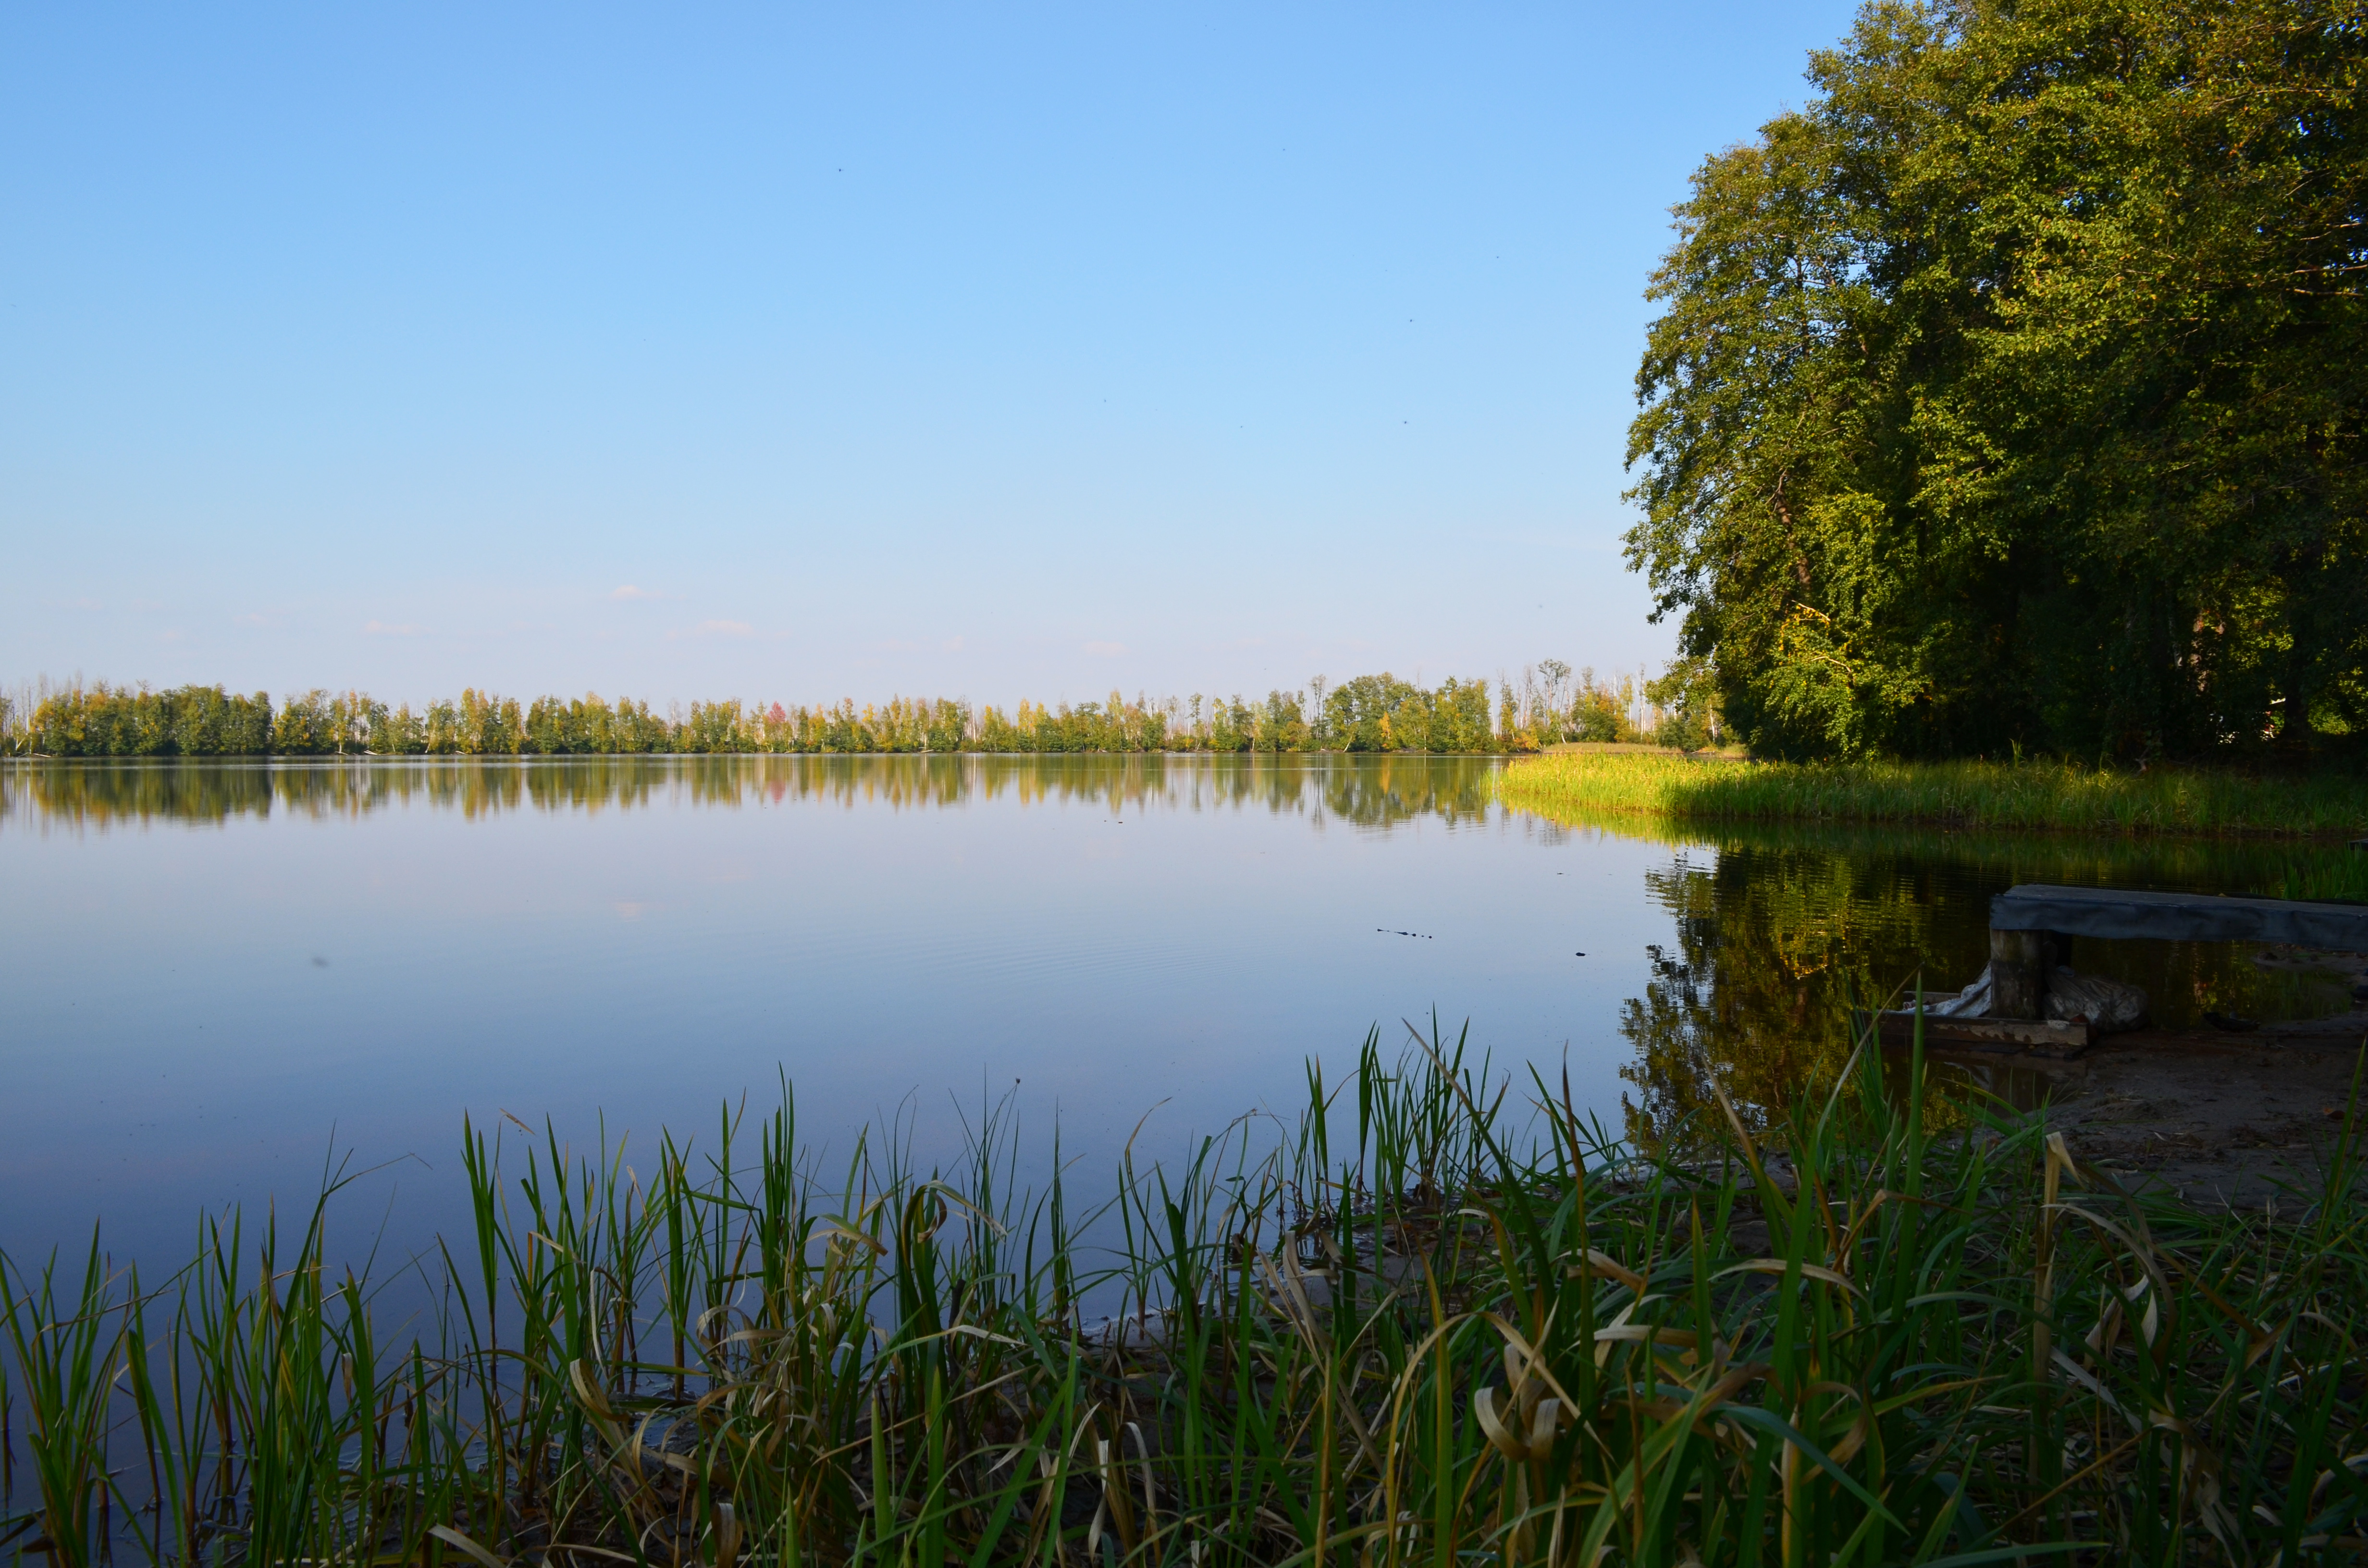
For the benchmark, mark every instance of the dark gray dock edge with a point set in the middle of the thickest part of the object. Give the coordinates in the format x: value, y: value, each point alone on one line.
x: 2120, y: 914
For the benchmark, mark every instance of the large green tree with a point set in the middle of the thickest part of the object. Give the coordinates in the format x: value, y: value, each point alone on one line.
x: 2010, y: 393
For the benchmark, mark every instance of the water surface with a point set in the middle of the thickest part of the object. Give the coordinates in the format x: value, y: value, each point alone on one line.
x: 218, y: 976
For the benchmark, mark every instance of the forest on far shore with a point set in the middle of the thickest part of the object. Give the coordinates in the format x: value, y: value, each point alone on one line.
x: 1550, y: 703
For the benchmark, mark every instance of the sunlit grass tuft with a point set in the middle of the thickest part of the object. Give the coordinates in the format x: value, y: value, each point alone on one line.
x: 1573, y: 787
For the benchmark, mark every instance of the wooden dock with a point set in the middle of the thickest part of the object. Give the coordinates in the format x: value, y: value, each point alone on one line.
x: 2120, y: 914
x: 2032, y: 927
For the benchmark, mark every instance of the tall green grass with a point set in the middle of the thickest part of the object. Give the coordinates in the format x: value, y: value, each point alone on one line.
x: 1573, y: 787
x: 1441, y: 1320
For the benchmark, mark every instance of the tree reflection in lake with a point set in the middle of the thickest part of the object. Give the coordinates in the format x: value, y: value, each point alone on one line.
x: 1366, y: 792
x: 1779, y: 933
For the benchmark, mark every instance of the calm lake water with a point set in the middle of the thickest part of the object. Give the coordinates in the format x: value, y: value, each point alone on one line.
x: 214, y: 979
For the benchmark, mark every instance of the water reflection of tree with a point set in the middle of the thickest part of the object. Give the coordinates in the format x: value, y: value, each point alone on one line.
x: 1779, y: 933
x: 1772, y: 948
x: 1374, y: 792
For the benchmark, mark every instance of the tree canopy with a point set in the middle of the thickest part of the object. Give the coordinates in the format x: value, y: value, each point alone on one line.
x: 2009, y: 393
x: 1370, y: 713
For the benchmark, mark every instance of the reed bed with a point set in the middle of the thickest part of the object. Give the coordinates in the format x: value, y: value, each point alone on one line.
x: 1573, y: 787
x: 1441, y: 1320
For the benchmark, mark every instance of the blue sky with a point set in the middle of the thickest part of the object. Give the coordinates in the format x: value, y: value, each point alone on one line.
x: 799, y: 353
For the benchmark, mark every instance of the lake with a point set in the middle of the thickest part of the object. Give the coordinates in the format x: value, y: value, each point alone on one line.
x: 222, y: 979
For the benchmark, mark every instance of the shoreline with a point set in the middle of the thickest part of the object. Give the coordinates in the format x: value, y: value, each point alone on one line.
x: 2027, y: 797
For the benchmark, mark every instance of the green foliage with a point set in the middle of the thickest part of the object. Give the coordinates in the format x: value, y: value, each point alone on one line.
x: 322, y: 723
x: 2011, y: 392
x: 1416, y: 1327
x: 1381, y: 712
x: 1684, y: 728
x: 1600, y: 718
x: 1116, y: 726
x: 1687, y: 697
x: 104, y: 721
x: 588, y: 726
x: 1553, y: 704
x: 1371, y: 714
x: 1356, y: 714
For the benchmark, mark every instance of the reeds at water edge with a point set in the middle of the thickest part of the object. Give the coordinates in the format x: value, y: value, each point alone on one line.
x: 1441, y: 1320
x: 2034, y: 794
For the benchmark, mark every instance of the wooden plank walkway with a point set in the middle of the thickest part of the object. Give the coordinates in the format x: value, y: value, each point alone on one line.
x: 2122, y: 914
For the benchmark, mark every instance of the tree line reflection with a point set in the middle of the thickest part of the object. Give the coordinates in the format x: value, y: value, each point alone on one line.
x: 1366, y: 792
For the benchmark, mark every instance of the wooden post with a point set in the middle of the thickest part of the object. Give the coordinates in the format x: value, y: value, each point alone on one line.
x: 2018, y: 974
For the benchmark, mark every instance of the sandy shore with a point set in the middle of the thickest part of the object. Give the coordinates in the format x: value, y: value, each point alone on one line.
x: 2219, y: 1118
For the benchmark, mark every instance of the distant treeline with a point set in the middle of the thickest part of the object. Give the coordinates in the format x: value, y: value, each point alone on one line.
x: 1371, y: 714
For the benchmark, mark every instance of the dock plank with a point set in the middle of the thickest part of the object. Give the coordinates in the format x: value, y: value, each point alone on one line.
x: 2031, y: 1037
x: 2124, y: 914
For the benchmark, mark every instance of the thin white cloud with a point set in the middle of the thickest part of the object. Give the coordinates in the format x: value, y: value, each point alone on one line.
x: 716, y: 629
x: 629, y: 592
x: 1106, y: 650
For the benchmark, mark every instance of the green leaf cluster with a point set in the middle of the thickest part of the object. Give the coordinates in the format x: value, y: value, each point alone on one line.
x: 2009, y: 393
x: 1383, y: 713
